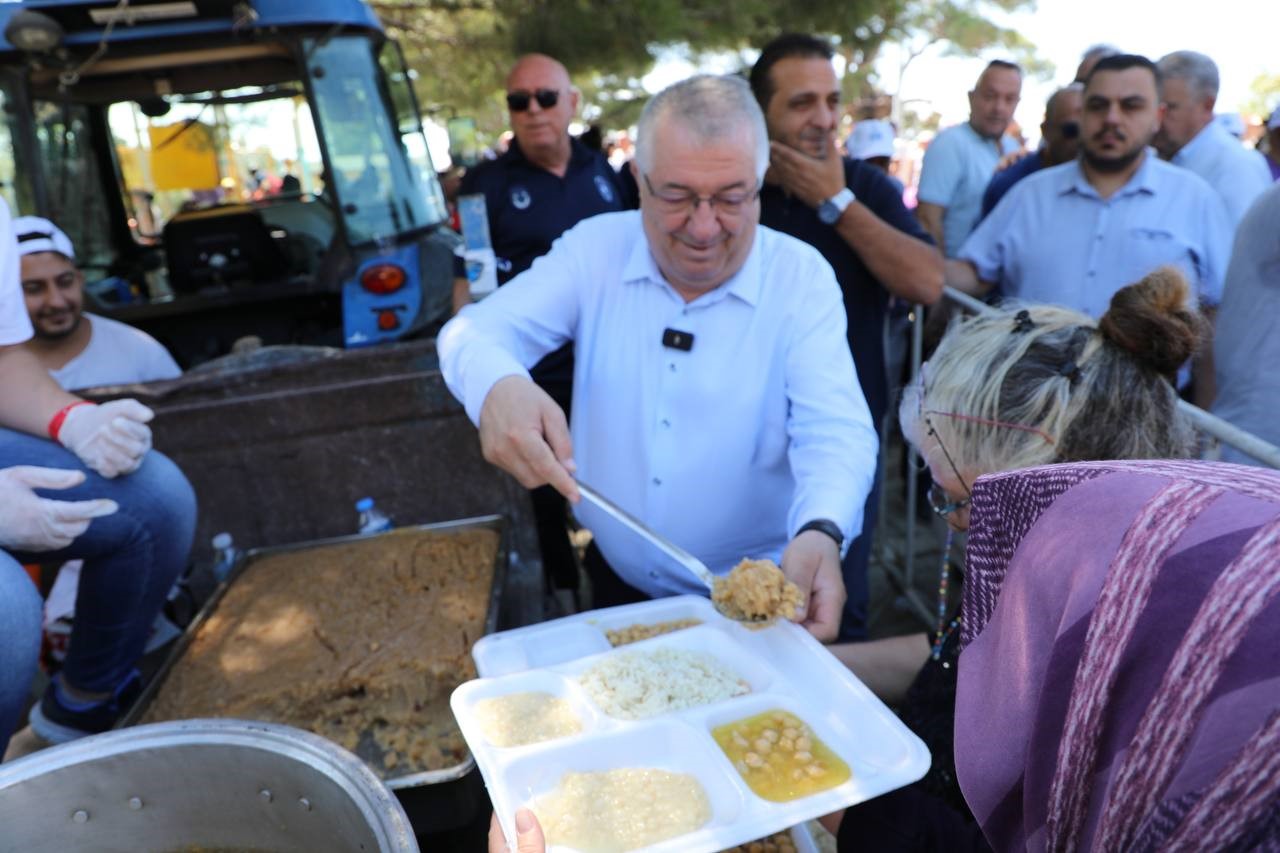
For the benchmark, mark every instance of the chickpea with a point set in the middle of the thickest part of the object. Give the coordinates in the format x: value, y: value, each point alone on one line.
x: 788, y: 744
x: 739, y: 740
x: 803, y: 742
x: 790, y: 732
x: 803, y: 756
x: 763, y: 745
x: 797, y: 774
x: 771, y: 735
x: 741, y: 767
x: 813, y: 770
x: 753, y: 760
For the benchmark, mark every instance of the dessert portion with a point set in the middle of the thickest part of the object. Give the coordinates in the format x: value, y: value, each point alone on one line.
x: 612, y: 811
x: 519, y: 719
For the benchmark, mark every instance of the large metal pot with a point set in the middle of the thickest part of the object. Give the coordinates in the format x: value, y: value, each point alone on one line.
x: 199, y: 784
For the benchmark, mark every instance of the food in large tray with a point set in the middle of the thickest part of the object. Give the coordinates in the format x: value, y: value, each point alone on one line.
x: 360, y: 642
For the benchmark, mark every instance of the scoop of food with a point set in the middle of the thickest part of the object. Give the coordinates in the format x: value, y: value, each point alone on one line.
x: 756, y: 591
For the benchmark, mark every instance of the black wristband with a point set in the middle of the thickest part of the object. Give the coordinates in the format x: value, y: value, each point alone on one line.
x: 823, y: 525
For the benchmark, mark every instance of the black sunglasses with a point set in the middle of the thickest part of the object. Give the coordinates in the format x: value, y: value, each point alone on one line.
x: 518, y: 102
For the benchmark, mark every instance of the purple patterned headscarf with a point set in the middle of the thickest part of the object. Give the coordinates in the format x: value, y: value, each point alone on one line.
x: 1119, y: 687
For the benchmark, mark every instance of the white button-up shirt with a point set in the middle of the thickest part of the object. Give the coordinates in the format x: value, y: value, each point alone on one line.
x: 727, y: 448
x: 1239, y: 174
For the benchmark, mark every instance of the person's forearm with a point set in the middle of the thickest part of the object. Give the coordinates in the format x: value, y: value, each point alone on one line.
x: 461, y: 293
x: 963, y: 276
x: 907, y: 267
x: 29, y: 397
x: 888, y: 667
x: 930, y: 216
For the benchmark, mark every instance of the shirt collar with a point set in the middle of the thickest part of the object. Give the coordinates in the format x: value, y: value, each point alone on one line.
x: 745, y: 284
x: 1142, y: 181
x: 1202, y: 140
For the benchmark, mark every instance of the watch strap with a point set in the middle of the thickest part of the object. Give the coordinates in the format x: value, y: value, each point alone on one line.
x: 824, y: 525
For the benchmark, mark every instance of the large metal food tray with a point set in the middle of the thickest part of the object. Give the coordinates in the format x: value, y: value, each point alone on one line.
x: 433, y: 799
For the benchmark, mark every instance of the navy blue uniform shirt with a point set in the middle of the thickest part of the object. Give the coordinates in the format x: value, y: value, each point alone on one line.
x: 528, y: 209
x: 1003, y: 181
x: 865, y: 299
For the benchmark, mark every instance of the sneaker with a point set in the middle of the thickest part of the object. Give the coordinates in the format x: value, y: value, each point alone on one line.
x: 59, y: 719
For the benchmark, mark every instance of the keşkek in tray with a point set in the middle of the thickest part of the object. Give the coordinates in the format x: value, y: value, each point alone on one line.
x: 783, y: 671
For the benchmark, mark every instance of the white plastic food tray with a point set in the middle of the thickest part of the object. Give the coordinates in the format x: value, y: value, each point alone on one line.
x: 787, y: 670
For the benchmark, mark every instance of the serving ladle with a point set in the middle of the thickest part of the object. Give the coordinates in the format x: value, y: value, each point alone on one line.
x: 695, y: 566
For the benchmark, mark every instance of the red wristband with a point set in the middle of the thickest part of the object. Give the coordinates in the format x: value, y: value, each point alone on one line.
x: 55, y: 423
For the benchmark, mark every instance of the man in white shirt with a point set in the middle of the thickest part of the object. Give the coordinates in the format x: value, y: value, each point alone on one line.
x: 714, y: 394
x: 80, y: 350
x: 1190, y: 137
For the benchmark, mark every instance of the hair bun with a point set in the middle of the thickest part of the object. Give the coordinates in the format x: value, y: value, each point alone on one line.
x: 1152, y: 321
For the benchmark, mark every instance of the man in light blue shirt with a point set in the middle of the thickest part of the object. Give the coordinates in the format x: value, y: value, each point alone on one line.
x: 1076, y: 233
x: 1190, y: 137
x: 959, y: 162
x: 714, y: 394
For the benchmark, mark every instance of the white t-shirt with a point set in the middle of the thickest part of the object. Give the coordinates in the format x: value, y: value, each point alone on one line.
x: 15, y: 325
x: 117, y: 354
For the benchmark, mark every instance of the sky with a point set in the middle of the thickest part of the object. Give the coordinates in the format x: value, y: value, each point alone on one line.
x: 1234, y: 34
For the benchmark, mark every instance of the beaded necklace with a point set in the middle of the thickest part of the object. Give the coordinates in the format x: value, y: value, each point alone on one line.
x: 944, y: 630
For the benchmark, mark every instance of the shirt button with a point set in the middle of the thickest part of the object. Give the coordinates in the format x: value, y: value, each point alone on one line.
x: 672, y: 366
x: 653, y: 574
x: 657, y: 481
x: 666, y: 423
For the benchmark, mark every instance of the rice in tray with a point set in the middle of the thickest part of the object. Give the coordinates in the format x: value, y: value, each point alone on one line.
x: 634, y: 685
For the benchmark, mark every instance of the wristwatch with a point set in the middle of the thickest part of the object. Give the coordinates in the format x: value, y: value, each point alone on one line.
x: 829, y: 211
x: 823, y: 525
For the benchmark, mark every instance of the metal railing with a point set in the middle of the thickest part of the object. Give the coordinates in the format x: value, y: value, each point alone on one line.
x: 1209, y: 424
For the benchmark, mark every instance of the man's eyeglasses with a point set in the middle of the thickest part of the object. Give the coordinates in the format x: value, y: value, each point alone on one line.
x: 518, y: 102
x: 727, y: 203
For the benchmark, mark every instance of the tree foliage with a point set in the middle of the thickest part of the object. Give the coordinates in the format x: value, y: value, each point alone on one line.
x: 1264, y: 96
x: 462, y: 49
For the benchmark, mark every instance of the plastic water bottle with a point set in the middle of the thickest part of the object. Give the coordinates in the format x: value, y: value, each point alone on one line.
x: 372, y: 519
x: 225, y: 555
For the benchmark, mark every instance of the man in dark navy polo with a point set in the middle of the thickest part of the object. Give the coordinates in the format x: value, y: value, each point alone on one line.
x: 851, y: 213
x: 544, y: 184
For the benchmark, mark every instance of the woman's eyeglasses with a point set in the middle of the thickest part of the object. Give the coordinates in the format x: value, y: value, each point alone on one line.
x: 518, y: 102
x: 941, y: 503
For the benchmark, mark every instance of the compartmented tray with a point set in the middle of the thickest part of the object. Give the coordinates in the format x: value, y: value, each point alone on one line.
x: 787, y: 670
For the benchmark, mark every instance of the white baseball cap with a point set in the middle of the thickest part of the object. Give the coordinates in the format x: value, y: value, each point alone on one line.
x: 36, y: 234
x: 870, y: 138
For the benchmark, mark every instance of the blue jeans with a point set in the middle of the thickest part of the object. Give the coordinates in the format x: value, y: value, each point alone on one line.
x: 131, y: 558
x: 20, y: 612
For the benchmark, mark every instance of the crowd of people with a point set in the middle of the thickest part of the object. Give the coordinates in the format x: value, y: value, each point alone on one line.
x: 699, y: 334
x: 1110, y: 249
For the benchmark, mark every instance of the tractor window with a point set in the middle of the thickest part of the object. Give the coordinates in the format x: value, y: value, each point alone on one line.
x: 64, y: 142
x: 399, y: 79
x: 381, y: 192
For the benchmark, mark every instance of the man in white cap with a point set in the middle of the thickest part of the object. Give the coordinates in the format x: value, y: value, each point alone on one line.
x: 80, y: 350
x: 871, y: 141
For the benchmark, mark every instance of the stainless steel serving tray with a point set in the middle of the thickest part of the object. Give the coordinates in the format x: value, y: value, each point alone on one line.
x: 402, y: 785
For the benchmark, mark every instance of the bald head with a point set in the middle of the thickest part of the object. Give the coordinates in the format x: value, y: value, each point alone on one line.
x: 539, y: 66
x: 542, y: 102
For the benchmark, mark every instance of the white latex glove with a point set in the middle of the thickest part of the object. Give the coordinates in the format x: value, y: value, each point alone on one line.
x: 111, y: 438
x: 29, y: 522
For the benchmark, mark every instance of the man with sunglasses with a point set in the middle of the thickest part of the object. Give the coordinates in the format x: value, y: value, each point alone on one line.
x: 543, y: 185
x: 715, y: 396
x: 851, y: 213
x: 1060, y: 132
